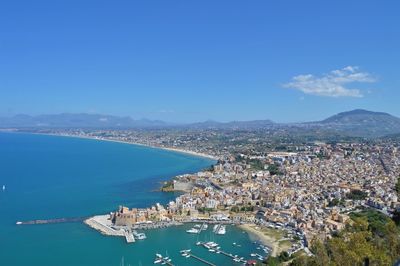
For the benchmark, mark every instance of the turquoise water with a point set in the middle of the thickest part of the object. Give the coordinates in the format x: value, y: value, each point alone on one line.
x: 54, y: 177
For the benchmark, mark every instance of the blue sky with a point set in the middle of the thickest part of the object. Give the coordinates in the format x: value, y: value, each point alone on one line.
x: 188, y: 61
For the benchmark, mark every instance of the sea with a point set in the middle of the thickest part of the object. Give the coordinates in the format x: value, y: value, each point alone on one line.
x: 47, y: 177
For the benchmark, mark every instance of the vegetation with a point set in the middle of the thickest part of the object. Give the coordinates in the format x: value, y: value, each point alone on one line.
x: 357, y: 195
x: 371, y: 239
x: 274, y: 169
x: 242, y: 209
x: 283, y: 257
x: 256, y: 164
x: 336, y: 202
x: 396, y: 214
x: 168, y: 186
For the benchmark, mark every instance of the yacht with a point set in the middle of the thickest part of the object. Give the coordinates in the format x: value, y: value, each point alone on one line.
x: 212, y: 244
x: 221, y: 230
x: 192, y: 231
x: 215, y: 228
x: 140, y: 236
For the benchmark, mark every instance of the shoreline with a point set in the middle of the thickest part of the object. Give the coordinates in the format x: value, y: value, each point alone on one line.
x: 267, y: 240
x: 177, y: 150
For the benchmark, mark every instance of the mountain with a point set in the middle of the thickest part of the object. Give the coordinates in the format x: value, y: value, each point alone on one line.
x: 363, y: 123
x: 243, y: 125
x: 356, y: 123
x: 67, y: 120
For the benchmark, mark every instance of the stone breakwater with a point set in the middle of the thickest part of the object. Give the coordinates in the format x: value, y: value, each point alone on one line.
x: 103, y: 224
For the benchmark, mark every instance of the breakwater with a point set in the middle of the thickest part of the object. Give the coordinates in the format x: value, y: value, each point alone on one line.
x: 52, y: 221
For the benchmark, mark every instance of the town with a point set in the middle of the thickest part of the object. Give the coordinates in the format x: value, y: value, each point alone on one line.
x: 305, y: 190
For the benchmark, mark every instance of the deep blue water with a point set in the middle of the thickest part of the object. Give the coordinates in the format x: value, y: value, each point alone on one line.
x: 54, y: 177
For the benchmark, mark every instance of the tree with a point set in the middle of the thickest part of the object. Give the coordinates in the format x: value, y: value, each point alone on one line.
x: 370, y: 239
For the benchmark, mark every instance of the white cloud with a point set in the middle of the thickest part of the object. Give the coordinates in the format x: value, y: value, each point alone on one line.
x: 333, y: 84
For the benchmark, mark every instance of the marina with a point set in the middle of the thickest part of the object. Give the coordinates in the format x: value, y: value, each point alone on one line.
x: 214, y: 247
x: 159, y: 259
x: 188, y: 254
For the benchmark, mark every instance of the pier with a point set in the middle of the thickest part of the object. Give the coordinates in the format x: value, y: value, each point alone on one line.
x: 220, y: 251
x: 129, y: 236
x: 163, y: 260
x: 200, y: 259
x: 52, y: 221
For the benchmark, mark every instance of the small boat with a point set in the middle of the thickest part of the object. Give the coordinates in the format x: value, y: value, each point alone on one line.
x: 4, y: 187
x: 140, y: 236
x: 157, y: 261
x: 187, y: 256
x: 18, y: 223
x: 197, y: 226
x: 221, y: 230
x: 193, y: 231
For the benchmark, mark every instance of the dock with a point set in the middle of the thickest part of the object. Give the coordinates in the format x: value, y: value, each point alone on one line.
x: 129, y: 236
x: 164, y: 261
x: 220, y: 251
x: 200, y: 259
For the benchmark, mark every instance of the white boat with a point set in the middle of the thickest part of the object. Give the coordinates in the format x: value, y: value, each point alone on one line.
x: 205, y: 226
x: 140, y: 236
x: 158, y: 255
x: 215, y: 228
x: 187, y: 256
x: 4, y: 187
x: 193, y: 231
x: 197, y: 226
x: 157, y: 261
x: 212, y: 244
x: 18, y: 223
x: 221, y: 230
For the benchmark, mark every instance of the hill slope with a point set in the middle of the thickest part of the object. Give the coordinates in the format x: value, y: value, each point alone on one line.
x: 363, y: 123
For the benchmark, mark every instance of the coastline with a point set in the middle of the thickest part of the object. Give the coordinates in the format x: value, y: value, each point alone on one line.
x: 267, y: 240
x: 177, y: 150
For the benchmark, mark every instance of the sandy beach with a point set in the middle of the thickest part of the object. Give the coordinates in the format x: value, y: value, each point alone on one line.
x: 208, y: 156
x: 268, y: 240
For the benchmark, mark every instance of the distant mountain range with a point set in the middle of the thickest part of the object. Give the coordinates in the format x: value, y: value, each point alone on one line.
x: 356, y: 123
x: 67, y: 120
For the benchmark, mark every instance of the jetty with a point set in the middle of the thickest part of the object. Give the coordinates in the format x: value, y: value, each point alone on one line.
x: 52, y: 221
x: 129, y: 236
x: 163, y: 260
x: 200, y: 259
x: 220, y: 251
